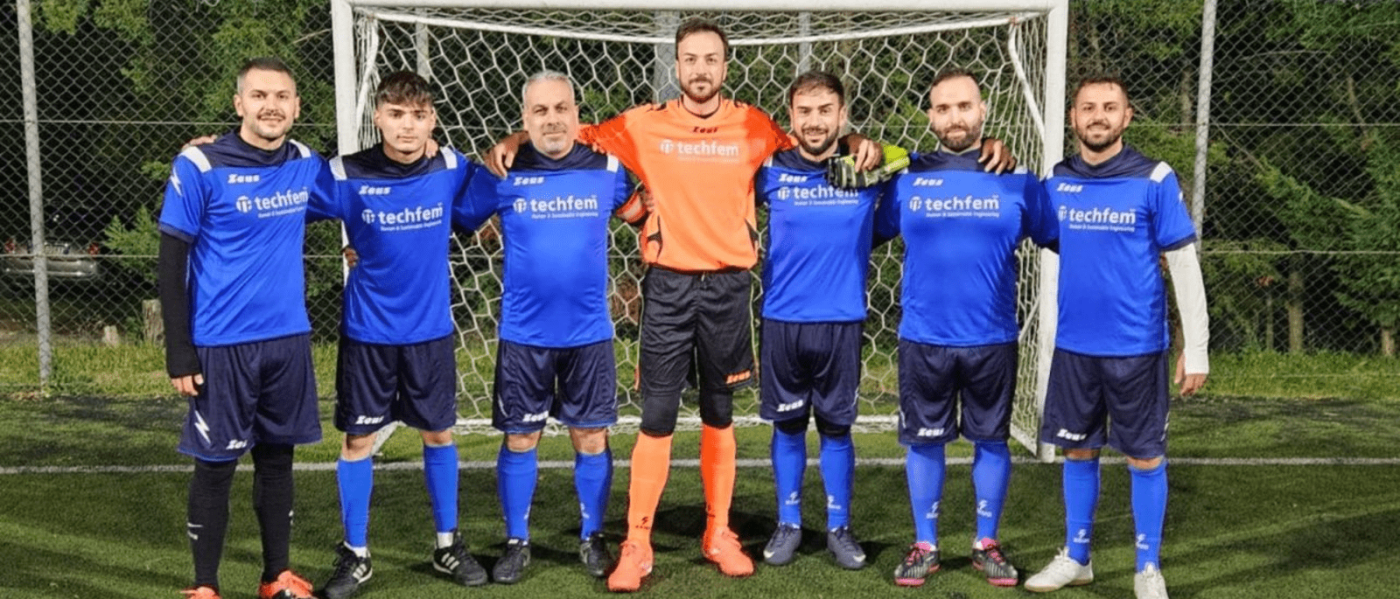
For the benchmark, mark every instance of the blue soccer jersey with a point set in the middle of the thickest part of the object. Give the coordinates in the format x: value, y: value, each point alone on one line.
x: 554, y: 216
x: 243, y: 210
x: 961, y: 227
x: 1115, y: 220
x: 398, y: 219
x: 818, y: 242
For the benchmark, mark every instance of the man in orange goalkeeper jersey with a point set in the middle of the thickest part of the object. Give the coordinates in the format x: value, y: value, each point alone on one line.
x: 697, y: 155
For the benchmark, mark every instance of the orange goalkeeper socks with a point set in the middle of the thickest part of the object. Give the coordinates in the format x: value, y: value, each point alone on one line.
x: 717, y: 449
x: 651, y: 464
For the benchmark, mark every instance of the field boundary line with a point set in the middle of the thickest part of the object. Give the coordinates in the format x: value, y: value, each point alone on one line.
x: 693, y: 463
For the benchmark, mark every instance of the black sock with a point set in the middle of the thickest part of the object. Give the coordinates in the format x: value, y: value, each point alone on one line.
x: 208, y: 517
x: 272, y: 500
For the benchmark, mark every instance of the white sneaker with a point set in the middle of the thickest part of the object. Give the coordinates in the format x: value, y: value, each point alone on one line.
x: 1063, y: 571
x: 1148, y: 584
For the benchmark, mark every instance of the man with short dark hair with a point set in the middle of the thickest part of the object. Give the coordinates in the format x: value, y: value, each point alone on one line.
x: 237, y: 333
x: 1119, y: 213
x: 958, y: 330
x: 396, y: 356
x: 814, y: 272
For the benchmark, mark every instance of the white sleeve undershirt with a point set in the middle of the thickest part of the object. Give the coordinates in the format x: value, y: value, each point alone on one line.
x: 1190, y: 289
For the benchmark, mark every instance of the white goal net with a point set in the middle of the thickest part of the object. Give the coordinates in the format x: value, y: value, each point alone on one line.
x: 479, y: 54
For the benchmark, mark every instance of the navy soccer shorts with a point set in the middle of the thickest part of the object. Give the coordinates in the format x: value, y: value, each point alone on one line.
x: 379, y: 384
x: 258, y: 392
x: 808, y: 367
x: 575, y: 385
x: 1086, y: 393
x: 935, y: 379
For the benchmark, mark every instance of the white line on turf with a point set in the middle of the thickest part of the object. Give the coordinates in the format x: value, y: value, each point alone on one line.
x: 691, y: 463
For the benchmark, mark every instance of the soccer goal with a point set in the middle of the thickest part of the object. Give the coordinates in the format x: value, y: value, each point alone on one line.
x: 621, y: 52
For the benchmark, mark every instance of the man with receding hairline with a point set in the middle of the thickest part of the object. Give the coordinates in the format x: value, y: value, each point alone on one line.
x: 958, y: 330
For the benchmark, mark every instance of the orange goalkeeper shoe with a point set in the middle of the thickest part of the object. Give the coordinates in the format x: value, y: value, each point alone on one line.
x: 723, y: 548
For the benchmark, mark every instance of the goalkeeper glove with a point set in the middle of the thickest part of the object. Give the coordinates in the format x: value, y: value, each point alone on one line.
x: 841, y: 171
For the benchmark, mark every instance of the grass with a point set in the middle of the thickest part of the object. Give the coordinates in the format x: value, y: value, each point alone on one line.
x: 1232, y: 531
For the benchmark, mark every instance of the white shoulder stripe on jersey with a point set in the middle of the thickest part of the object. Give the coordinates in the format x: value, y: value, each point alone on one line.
x: 1160, y: 173
x: 612, y: 163
x: 449, y: 157
x: 338, y: 168
x: 1021, y: 170
x: 769, y: 161
x: 305, y: 151
x: 195, y: 155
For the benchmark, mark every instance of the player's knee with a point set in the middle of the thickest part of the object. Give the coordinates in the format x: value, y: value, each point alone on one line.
x: 356, y: 447
x: 589, y: 441
x: 437, y: 438
x: 1081, y: 454
x: 826, y: 428
x: 717, y: 408
x: 214, y: 472
x: 793, y: 426
x: 659, y: 415
x: 1145, y: 463
x: 521, y: 442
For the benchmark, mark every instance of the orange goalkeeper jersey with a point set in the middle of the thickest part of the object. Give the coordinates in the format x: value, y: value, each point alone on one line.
x: 700, y: 173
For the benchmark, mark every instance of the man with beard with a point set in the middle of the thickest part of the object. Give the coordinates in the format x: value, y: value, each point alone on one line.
x: 237, y: 333
x: 1119, y: 214
x: 396, y: 358
x: 555, y: 356
x: 813, y: 316
x: 697, y: 156
x: 958, y: 330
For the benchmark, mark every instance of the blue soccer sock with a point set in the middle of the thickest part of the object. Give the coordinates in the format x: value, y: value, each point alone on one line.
x: 593, y: 481
x: 924, y: 467
x: 440, y: 475
x: 1081, y: 482
x: 838, y: 463
x: 356, y: 481
x: 1149, y: 510
x: 789, y: 454
x: 516, y: 473
x: 991, y: 471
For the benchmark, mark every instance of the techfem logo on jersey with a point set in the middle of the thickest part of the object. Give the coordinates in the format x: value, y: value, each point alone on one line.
x: 956, y: 206
x: 407, y: 219
x: 569, y: 206
x: 817, y: 195
x: 711, y: 151
x: 1098, y: 219
x: 277, y: 204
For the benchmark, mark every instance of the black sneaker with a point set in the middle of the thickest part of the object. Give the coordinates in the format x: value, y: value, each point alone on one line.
x: 351, y: 571
x: 845, y: 548
x: 512, y: 564
x: 593, y: 552
x: 454, y: 561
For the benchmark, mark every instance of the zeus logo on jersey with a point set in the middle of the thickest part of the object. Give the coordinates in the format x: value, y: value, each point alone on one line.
x: 927, y: 182
x: 234, y: 179
x: 278, y: 204
x: 1069, y: 188
x: 371, y: 190
x: 569, y: 206
x: 407, y: 219
x: 957, y: 206
x: 700, y: 150
x: 527, y: 181
x: 1099, y: 219
x: 786, y: 178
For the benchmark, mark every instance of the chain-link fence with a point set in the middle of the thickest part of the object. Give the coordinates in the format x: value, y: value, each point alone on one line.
x: 1301, y: 220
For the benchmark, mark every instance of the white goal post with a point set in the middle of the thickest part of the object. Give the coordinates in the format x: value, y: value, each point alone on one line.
x: 478, y: 53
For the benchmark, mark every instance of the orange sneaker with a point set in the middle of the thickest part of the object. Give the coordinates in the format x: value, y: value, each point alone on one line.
x: 200, y: 593
x: 633, y: 563
x: 287, y: 586
x: 724, y: 550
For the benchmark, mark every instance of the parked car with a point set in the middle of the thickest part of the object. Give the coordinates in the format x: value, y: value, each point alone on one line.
x: 70, y: 261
